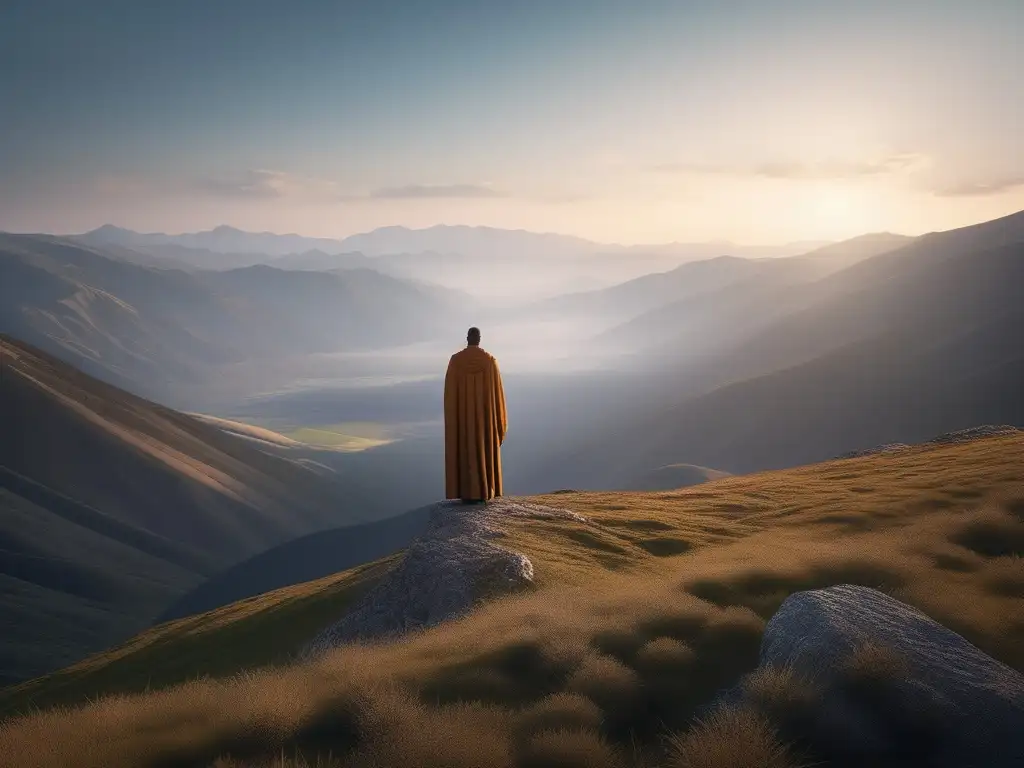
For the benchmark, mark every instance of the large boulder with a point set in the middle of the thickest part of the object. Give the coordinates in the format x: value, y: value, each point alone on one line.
x: 893, y: 685
x: 445, y: 572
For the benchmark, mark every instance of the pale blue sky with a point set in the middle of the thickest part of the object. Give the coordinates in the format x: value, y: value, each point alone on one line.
x: 632, y: 121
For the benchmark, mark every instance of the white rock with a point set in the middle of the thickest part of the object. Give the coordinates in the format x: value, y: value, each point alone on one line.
x: 439, y: 576
x: 963, y: 707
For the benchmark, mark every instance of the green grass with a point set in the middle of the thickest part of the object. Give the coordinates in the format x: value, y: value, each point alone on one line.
x: 342, y: 436
x: 251, y: 633
x: 607, y: 660
x: 345, y: 436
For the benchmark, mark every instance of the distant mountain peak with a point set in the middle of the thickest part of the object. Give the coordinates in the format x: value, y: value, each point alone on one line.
x: 111, y: 230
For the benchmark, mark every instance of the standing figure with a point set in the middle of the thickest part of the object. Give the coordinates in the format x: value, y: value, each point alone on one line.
x: 474, y: 424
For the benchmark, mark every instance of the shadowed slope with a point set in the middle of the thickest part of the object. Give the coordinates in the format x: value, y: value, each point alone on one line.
x: 112, y: 506
x: 897, y: 348
x: 307, y: 558
x: 655, y: 302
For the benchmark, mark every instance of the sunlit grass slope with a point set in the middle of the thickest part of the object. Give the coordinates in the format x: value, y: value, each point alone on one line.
x: 638, y: 618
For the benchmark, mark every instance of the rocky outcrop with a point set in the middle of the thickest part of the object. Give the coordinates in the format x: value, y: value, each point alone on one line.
x: 947, y: 438
x: 974, y: 433
x: 887, y: 448
x: 893, y: 684
x: 446, y: 569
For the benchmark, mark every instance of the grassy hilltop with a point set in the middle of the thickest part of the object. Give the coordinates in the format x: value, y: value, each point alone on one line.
x: 636, y: 619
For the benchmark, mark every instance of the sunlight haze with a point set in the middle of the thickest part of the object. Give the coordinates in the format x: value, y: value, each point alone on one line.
x: 511, y: 383
x: 621, y: 122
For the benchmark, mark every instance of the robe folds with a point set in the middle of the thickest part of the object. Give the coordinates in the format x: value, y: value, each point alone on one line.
x: 474, y: 426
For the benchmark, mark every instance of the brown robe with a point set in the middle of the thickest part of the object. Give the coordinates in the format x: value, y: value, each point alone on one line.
x: 474, y: 426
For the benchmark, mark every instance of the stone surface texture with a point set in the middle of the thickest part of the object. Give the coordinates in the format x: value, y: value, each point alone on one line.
x: 441, y: 575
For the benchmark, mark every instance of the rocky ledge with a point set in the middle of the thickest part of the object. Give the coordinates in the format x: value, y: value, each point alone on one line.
x: 443, y: 573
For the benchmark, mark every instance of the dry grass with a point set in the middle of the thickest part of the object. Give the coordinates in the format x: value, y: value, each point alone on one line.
x: 730, y: 738
x: 254, y: 632
x: 872, y: 664
x: 1004, y: 576
x: 560, y: 711
x: 779, y: 692
x: 569, y: 748
x: 616, y: 646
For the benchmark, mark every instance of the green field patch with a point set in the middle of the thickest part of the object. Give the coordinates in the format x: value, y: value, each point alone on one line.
x: 345, y: 436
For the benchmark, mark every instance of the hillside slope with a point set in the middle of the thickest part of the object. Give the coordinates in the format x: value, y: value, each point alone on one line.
x: 643, y: 310
x: 307, y: 558
x: 672, y: 476
x: 641, y: 610
x: 111, y: 506
x: 896, y: 348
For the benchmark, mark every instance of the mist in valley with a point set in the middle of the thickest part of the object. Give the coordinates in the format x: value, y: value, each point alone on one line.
x: 680, y: 356
x: 560, y: 382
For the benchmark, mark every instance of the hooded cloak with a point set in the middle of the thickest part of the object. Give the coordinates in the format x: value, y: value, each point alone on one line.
x: 474, y: 426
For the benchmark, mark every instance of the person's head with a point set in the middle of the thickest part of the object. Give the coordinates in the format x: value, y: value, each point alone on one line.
x: 473, y: 336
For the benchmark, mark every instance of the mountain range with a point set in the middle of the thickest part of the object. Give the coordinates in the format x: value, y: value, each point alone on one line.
x: 765, y: 373
x: 478, y: 241
x: 169, y: 334
x: 509, y: 265
x: 650, y: 294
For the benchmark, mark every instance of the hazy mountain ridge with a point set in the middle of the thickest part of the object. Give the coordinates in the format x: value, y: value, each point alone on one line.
x: 511, y: 265
x: 159, y: 331
x: 643, y: 304
x: 898, y: 347
x: 441, y: 238
x: 222, y: 240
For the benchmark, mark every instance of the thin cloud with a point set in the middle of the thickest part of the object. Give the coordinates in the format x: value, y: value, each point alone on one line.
x: 903, y: 162
x: 420, y: 191
x: 981, y: 188
x: 262, y: 184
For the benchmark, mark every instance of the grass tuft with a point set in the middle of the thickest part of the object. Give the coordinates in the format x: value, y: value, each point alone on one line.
x: 607, y: 682
x: 560, y: 711
x: 873, y: 665
x: 665, y: 656
x: 730, y: 738
x: 565, y: 748
x: 780, y: 693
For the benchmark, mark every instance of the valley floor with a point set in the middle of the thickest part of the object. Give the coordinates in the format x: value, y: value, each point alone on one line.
x: 636, y: 619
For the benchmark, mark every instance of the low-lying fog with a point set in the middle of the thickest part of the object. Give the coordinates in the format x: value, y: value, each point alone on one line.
x: 556, y: 384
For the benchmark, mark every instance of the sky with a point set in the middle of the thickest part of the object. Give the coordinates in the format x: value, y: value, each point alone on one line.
x: 635, y: 121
